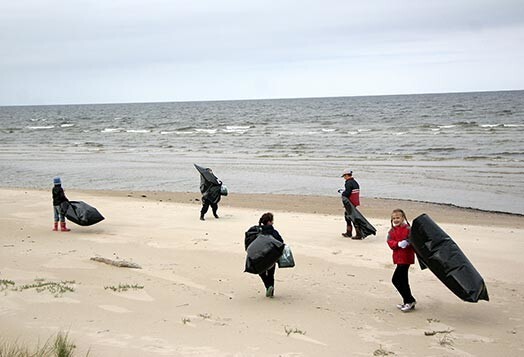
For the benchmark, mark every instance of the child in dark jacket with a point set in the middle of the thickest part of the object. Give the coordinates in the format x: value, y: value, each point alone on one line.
x: 403, y: 257
x: 59, y: 197
x: 268, y: 277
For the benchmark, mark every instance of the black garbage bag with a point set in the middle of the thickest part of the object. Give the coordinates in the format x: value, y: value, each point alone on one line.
x: 251, y: 234
x: 210, y: 185
x: 262, y: 253
x: 358, y: 219
x: 208, y: 176
x: 81, y: 213
x: 437, y: 251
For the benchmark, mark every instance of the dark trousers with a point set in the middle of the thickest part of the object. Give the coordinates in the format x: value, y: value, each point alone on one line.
x: 349, y: 228
x: 401, y: 282
x: 205, y: 207
x: 268, y: 277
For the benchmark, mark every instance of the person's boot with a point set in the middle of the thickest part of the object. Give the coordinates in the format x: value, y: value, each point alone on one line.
x: 349, y: 232
x: 55, y: 227
x: 215, y: 214
x: 358, y: 234
x: 202, y: 217
x: 63, y: 227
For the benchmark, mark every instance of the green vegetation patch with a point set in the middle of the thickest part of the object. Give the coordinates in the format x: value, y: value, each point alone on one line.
x: 55, y: 288
x: 123, y: 287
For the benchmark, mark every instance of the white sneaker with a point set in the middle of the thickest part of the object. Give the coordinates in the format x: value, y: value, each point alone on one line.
x: 408, y: 307
x: 399, y: 306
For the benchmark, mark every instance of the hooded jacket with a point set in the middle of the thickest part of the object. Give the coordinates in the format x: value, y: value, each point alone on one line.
x: 401, y: 255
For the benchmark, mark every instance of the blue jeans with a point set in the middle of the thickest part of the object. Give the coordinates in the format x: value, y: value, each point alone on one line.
x: 58, y: 214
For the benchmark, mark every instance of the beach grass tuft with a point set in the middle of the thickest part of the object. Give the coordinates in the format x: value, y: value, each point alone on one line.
x: 55, y: 288
x: 6, y: 284
x: 60, y: 346
x: 124, y: 287
x: 290, y: 330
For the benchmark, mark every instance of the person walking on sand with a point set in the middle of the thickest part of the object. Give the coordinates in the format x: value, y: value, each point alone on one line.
x: 403, y: 257
x: 352, y: 192
x: 268, y: 277
x: 59, y: 197
x: 211, y: 189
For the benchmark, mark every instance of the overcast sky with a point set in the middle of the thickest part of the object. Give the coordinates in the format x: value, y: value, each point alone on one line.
x: 98, y: 51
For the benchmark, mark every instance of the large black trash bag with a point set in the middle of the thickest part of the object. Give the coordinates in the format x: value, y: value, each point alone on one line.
x: 437, y: 251
x: 251, y: 234
x: 208, y: 176
x: 81, y: 213
x: 358, y: 219
x: 210, y: 185
x: 262, y: 253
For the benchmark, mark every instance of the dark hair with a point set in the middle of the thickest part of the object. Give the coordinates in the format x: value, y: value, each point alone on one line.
x: 398, y: 210
x: 265, y: 219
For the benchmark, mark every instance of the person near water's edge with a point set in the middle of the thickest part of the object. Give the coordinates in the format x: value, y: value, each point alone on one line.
x: 352, y: 192
x: 211, y: 194
x: 59, y: 197
x: 268, y: 277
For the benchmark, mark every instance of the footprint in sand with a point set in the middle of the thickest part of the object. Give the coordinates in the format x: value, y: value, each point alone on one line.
x: 114, y: 308
x: 307, y: 339
x: 135, y: 295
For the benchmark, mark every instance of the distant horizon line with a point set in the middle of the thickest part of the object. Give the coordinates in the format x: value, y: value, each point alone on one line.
x: 264, y: 99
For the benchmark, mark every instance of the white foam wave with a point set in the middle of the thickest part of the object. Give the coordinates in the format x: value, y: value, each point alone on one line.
x: 352, y: 132
x: 446, y: 126
x: 513, y: 125
x: 363, y: 130
x: 207, y: 131
x: 328, y: 130
x: 489, y: 125
x: 239, y: 131
x: 40, y: 127
x: 237, y: 127
x: 401, y: 133
x: 138, y: 131
x: 111, y: 130
x: 67, y: 125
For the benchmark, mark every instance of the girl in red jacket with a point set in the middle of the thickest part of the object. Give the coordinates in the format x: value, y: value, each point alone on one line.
x: 403, y: 257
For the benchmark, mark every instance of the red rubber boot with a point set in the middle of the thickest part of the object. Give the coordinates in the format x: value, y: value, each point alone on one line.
x: 63, y: 227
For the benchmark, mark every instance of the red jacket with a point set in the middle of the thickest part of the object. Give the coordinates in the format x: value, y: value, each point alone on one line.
x: 401, y: 255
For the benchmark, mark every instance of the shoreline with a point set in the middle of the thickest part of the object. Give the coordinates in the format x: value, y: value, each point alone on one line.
x: 330, y: 205
x: 375, y: 207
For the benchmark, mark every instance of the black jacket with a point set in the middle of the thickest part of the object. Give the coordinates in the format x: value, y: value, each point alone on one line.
x: 58, y: 195
x: 269, y: 230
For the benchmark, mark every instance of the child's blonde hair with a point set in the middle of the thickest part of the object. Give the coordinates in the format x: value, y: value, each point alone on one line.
x: 398, y: 210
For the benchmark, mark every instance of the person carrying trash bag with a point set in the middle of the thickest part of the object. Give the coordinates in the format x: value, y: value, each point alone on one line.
x: 264, y: 246
x: 59, y: 198
x: 211, y: 189
x: 352, y: 192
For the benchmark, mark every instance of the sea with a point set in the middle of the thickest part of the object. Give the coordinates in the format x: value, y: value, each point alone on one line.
x: 463, y: 149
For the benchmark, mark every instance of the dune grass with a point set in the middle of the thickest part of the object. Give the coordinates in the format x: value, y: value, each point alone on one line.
x: 59, y: 346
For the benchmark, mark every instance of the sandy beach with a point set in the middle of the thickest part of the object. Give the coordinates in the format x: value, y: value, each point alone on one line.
x: 192, y: 298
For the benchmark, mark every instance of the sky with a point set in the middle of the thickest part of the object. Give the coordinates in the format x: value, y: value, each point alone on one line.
x: 91, y: 51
